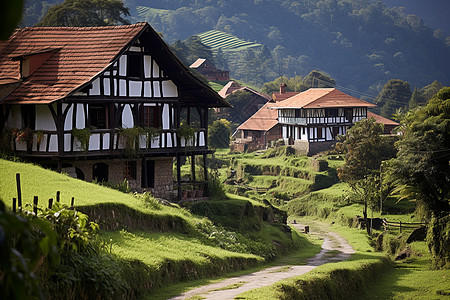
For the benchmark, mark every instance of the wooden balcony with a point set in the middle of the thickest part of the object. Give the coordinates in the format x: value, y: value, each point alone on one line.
x: 105, y: 142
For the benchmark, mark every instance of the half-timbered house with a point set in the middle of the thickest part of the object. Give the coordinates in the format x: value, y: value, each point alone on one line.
x: 312, y: 120
x: 209, y: 70
x: 105, y: 103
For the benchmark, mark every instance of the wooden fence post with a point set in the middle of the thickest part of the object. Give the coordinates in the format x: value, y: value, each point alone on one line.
x: 71, y: 202
x: 35, y: 204
x: 19, y: 191
x: 14, y: 205
x: 58, y: 193
x: 400, y: 226
x: 50, y: 203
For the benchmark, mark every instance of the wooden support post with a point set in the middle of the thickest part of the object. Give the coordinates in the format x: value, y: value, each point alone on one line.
x: 35, y: 204
x: 72, y: 202
x: 193, y: 167
x: 19, y: 191
x: 50, y: 203
x: 179, y: 177
x: 14, y: 205
x: 205, y: 173
x: 58, y: 193
x: 400, y: 226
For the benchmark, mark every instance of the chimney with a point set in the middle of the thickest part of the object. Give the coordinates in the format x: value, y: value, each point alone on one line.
x: 283, y: 88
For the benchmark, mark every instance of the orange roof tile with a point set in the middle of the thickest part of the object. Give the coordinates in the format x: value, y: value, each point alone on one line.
x: 321, y: 98
x: 264, y: 119
x: 283, y: 96
x: 79, y: 54
x: 380, y: 119
x: 75, y: 55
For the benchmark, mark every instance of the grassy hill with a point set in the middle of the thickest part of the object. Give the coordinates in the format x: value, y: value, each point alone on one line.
x: 171, y: 243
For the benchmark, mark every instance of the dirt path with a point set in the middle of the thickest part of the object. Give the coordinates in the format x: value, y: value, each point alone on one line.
x: 334, y: 248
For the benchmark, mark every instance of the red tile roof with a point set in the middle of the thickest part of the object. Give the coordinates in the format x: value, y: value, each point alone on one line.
x: 283, y: 96
x: 80, y: 53
x: 320, y: 98
x: 264, y: 119
x: 380, y: 119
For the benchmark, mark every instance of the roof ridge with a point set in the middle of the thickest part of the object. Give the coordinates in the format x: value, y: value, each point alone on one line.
x: 81, y: 28
x: 311, y: 89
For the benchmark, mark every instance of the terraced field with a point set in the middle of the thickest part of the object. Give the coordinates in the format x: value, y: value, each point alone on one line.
x: 227, y: 42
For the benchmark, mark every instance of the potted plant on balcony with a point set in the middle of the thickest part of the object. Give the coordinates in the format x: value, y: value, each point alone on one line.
x: 152, y: 134
x: 130, y: 140
x: 82, y: 136
x: 24, y: 135
x: 188, y: 133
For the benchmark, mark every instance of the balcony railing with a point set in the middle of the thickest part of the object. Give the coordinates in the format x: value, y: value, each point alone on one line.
x: 104, y: 140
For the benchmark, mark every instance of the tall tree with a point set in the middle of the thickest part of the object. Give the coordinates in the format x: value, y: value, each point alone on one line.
x: 219, y: 134
x: 86, y: 13
x: 364, y: 149
x: 423, y: 167
x: 395, y: 94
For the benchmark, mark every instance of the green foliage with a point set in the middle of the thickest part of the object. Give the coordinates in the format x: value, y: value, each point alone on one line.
x: 219, y: 134
x: 422, y: 163
x: 86, y: 13
x: 364, y: 150
x: 130, y: 139
x: 299, y: 83
x: 83, y: 136
x: 21, y: 249
x: 187, y: 133
x: 395, y: 94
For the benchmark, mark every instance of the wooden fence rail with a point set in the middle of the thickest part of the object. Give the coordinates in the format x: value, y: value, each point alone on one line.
x: 402, y: 225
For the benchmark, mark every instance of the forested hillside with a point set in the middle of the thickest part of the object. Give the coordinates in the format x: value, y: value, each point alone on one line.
x: 360, y: 43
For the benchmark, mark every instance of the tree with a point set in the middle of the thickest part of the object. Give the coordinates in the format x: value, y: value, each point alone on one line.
x: 395, y: 94
x: 364, y: 150
x: 422, y: 168
x: 86, y: 13
x: 423, y: 157
x: 219, y: 134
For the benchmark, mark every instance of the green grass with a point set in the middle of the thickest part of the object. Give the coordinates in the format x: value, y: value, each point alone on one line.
x: 37, y: 181
x: 168, y: 247
x: 215, y: 86
x: 309, y: 245
x: 326, y: 277
x: 413, y: 279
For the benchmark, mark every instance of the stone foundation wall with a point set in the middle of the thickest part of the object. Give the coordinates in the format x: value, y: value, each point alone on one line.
x: 306, y: 148
x: 163, y: 174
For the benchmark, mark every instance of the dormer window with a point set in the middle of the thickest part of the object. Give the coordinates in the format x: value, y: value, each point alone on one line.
x: 135, y: 66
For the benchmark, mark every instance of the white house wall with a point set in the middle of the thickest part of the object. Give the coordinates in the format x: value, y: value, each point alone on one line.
x: 154, y: 84
x: 127, y: 117
x: 44, y: 118
x: 80, y: 117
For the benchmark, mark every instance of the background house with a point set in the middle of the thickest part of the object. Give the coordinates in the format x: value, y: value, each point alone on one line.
x: 209, y: 70
x: 312, y: 120
x: 105, y: 103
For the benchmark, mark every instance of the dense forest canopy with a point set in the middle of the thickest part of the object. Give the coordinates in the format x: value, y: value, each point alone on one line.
x: 362, y: 44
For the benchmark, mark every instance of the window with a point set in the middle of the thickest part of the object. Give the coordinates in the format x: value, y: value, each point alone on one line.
x: 319, y: 133
x: 332, y: 112
x: 100, y: 172
x: 97, y: 116
x: 135, y: 66
x: 129, y: 170
x: 335, y: 132
x: 148, y: 174
x: 151, y: 116
x: 29, y: 116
